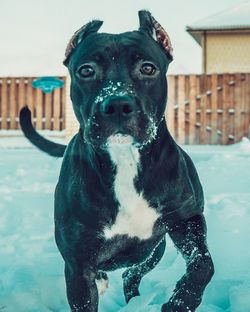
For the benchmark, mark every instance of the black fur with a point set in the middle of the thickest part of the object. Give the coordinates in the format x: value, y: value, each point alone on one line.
x: 85, y: 201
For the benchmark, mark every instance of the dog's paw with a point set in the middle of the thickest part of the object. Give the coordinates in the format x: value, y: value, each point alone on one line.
x: 169, y: 307
x: 102, y: 282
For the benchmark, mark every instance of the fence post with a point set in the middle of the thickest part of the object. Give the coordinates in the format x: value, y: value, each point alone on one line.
x: 247, y: 106
x: 71, y: 123
x: 192, y: 108
x: 12, y: 103
x: 56, y: 110
x: 214, y: 106
x: 4, y: 103
x: 181, y: 110
x: 203, y: 102
x: 48, y: 111
x: 170, y: 104
x: 207, y: 110
x: 231, y: 110
x: 226, y: 104
x: 21, y: 98
x: 30, y: 101
x: 63, y: 103
x: 39, y: 108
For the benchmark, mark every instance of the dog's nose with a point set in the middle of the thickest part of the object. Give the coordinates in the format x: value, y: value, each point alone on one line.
x: 118, y: 108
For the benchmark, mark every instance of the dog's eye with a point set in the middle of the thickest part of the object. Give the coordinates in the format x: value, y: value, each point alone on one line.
x: 86, y: 71
x: 148, y: 69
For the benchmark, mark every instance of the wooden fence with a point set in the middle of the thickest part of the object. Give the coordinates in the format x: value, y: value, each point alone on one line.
x: 48, y: 110
x: 209, y: 109
x: 202, y: 109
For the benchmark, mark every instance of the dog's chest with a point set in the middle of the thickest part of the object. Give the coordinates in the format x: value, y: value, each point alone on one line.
x: 135, y: 217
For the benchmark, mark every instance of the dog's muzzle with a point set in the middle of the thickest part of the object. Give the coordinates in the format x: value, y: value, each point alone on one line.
x: 117, y: 110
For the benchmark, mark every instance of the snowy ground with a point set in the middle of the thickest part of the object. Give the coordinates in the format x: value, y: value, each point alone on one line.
x: 31, y: 269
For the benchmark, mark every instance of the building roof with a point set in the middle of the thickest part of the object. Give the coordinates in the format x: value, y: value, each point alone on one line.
x: 236, y: 18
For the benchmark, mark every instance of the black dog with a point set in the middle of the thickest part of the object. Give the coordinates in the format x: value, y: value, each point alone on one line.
x: 124, y: 182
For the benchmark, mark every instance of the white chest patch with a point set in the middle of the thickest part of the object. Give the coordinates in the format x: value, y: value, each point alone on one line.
x: 135, y: 217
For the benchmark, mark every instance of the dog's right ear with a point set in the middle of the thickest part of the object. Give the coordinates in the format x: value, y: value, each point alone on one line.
x: 150, y: 26
x: 146, y: 24
x: 79, y: 35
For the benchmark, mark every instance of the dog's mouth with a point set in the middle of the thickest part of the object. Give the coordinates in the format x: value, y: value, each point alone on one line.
x: 120, y: 139
x: 141, y: 129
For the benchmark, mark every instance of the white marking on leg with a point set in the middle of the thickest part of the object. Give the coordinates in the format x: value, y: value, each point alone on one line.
x: 135, y: 217
x: 102, y: 285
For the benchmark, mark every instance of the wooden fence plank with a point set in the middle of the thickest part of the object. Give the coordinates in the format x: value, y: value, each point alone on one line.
x: 29, y: 100
x: 12, y: 103
x: 220, y: 109
x: 62, y: 105
x: 246, y: 125
x: 186, y: 109
x: 175, y: 104
x: 56, y: 103
x: 238, y: 106
x: 198, y: 110
x: 243, y: 102
x: 203, y: 102
x: 207, y: 109
x: 39, y: 109
x: 20, y: 98
x: 48, y: 111
x: 4, y: 104
x: 181, y: 110
x: 231, y: 110
x: 214, y: 106
x: 226, y: 105
x: 1, y: 103
x: 192, y: 108
x: 169, y: 114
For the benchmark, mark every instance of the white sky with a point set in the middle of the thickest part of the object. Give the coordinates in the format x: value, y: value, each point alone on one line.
x: 34, y: 33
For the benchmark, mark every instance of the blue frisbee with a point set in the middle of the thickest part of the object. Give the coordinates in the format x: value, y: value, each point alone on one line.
x: 48, y: 84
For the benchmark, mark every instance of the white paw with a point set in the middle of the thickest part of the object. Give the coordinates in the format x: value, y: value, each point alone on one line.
x: 102, y: 285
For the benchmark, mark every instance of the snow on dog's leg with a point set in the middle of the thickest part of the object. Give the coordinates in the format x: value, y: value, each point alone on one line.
x: 133, y: 275
x: 190, y: 238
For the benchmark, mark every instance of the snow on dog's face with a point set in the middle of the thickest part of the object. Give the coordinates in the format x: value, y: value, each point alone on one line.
x: 118, y: 82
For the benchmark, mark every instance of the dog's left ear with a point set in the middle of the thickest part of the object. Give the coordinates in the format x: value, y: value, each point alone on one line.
x: 79, y: 35
x: 154, y: 29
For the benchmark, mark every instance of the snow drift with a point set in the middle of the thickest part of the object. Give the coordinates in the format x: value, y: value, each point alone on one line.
x: 31, y: 269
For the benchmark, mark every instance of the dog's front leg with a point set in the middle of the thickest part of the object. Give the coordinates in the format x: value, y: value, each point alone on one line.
x: 81, y: 286
x: 190, y: 238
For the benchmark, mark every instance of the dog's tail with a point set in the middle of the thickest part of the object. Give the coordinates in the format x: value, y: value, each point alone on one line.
x: 49, y: 147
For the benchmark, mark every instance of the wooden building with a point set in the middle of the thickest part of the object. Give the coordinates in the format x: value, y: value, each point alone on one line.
x: 225, y: 40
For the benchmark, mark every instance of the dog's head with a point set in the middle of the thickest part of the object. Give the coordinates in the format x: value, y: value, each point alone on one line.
x: 118, y: 82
